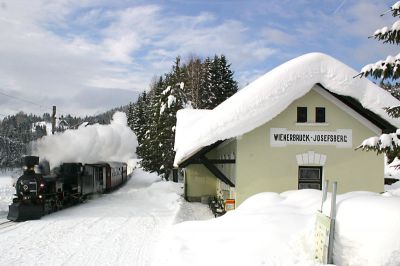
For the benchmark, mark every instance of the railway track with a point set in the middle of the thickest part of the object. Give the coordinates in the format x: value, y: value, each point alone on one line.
x: 7, y: 224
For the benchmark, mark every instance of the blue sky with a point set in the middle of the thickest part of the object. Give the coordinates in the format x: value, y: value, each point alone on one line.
x: 87, y: 56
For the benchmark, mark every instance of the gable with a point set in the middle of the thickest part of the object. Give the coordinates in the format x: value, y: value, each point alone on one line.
x: 338, y: 115
x: 271, y: 94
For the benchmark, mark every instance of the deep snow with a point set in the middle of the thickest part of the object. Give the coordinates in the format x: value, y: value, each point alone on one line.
x: 278, y: 229
x: 147, y: 222
x: 120, y: 228
x: 7, y: 179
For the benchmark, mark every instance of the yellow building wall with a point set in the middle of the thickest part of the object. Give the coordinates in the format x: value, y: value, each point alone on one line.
x: 225, y: 151
x: 261, y: 167
x: 199, y: 182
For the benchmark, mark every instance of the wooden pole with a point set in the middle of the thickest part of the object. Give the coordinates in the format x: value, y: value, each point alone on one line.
x: 333, y: 218
x: 324, y: 192
x: 53, y: 120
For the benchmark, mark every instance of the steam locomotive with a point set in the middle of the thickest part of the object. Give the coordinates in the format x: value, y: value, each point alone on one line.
x: 38, y: 192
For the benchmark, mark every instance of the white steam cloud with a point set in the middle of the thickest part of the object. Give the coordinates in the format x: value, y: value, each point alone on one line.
x: 90, y: 144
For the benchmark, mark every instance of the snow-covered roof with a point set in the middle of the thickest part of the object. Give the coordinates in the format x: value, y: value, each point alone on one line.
x: 272, y: 93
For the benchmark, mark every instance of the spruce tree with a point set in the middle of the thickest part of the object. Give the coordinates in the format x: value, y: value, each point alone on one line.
x: 207, y: 97
x: 148, y: 149
x: 217, y: 82
x: 388, y: 69
x: 172, y: 99
x: 138, y: 120
x: 227, y: 86
x: 130, y: 115
x: 393, y: 89
x: 155, y: 112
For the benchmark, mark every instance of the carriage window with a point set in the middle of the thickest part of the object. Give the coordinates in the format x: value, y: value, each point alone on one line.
x: 301, y: 114
x: 320, y: 114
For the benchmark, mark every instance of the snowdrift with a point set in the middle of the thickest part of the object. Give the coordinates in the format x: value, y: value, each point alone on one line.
x: 278, y: 229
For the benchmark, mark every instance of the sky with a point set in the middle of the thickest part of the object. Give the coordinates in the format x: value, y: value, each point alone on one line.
x: 88, y: 56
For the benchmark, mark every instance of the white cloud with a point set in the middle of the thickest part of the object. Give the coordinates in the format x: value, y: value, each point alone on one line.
x: 48, y: 68
x: 229, y: 38
x: 363, y: 18
x: 277, y: 36
x: 53, y: 51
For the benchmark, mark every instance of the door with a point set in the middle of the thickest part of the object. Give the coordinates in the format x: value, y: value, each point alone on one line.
x: 100, y: 180
x: 310, y: 177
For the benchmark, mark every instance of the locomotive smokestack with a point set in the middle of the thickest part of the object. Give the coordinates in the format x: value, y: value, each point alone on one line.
x: 30, y: 162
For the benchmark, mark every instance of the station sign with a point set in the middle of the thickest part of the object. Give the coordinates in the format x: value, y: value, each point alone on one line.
x: 281, y: 137
x: 322, y: 231
x: 229, y: 204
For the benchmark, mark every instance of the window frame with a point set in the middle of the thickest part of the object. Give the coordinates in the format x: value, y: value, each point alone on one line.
x: 302, y: 114
x: 318, y: 114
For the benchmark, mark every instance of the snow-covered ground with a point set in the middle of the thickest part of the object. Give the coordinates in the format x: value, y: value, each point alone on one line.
x: 278, y: 229
x: 147, y: 222
x: 120, y: 228
x: 7, y: 178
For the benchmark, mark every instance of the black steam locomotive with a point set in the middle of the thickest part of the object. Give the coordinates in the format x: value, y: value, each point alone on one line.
x: 38, y: 192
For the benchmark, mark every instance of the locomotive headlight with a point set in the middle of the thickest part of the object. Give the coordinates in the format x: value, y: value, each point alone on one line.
x: 40, y: 196
x: 41, y: 184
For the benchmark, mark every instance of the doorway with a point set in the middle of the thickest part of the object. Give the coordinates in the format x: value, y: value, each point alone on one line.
x: 310, y: 177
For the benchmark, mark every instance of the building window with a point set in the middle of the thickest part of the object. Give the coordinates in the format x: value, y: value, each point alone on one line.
x: 320, y: 114
x: 310, y: 177
x: 301, y: 114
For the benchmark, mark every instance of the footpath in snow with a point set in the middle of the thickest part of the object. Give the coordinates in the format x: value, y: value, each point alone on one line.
x: 120, y: 228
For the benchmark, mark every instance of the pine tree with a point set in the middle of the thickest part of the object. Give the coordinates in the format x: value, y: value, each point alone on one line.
x: 155, y: 112
x: 172, y: 99
x: 217, y: 82
x: 138, y: 117
x: 131, y: 116
x: 388, y: 69
x: 393, y: 89
x: 148, y: 149
x: 227, y: 86
x: 207, y: 97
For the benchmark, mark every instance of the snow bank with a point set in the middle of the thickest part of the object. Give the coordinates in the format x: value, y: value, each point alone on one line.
x: 7, y: 179
x: 89, y: 144
x: 6, y: 194
x: 278, y: 229
x: 265, y: 98
x: 118, y: 228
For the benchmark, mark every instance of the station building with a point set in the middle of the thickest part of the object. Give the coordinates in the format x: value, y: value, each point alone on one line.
x: 292, y: 128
